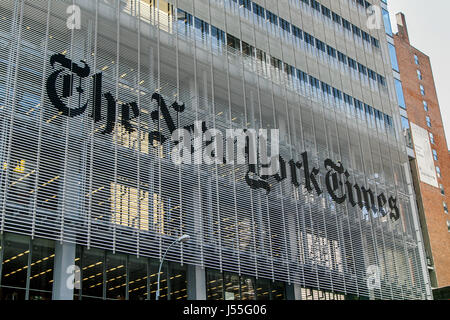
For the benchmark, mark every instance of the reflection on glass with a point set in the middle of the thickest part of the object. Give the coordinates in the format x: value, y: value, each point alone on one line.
x: 231, y: 286
x: 41, y: 275
x: 278, y: 290
x: 116, y: 276
x: 263, y: 289
x: 154, y: 266
x: 125, y: 206
x: 214, y: 284
x: 137, y: 287
x: 248, y: 288
x: 178, y: 282
x: 14, y: 267
x: 92, y: 273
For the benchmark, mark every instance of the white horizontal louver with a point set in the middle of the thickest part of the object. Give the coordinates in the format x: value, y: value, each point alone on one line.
x: 63, y: 179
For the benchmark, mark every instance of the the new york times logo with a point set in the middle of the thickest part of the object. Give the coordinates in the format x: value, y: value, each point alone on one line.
x: 197, y: 144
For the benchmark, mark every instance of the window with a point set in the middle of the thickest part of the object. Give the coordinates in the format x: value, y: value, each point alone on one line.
x: 428, y: 121
x: 387, y: 23
x: 445, y: 208
x: 346, y: 24
x: 393, y: 55
x: 342, y: 57
x: 448, y: 226
x: 422, y: 90
x: 432, y: 138
x: 400, y: 96
x: 419, y: 75
x: 406, y: 131
x: 441, y: 186
x: 425, y: 105
x: 438, y: 171
x: 416, y: 59
x: 435, y: 156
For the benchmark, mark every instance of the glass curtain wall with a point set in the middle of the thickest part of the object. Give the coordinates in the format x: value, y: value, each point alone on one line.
x: 26, y: 273
x: 231, y: 286
x: 26, y: 268
x: 105, y: 275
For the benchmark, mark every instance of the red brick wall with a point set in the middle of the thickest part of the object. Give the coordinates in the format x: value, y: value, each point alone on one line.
x: 436, y: 219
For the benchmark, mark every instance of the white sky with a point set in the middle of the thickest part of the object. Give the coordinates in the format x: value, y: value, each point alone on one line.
x: 429, y: 26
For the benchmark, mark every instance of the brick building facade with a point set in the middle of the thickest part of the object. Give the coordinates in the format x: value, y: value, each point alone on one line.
x: 423, y: 110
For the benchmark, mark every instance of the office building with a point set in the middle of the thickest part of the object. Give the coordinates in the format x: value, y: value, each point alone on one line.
x: 90, y: 198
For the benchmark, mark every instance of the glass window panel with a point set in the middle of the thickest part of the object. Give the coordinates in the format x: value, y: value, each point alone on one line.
x: 248, y: 289
x: 14, y: 267
x: 178, y: 282
x: 400, y: 96
x: 278, y: 290
x: 231, y: 286
x: 41, y: 276
x: 263, y: 289
x: 387, y: 22
x: 137, y: 287
x: 393, y: 56
x: 116, y: 275
x: 92, y: 273
x: 214, y: 285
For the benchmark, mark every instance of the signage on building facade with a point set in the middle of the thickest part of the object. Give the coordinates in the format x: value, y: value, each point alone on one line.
x: 337, y: 178
x: 424, y: 155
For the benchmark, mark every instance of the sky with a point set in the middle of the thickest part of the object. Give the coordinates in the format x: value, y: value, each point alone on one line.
x: 428, y: 27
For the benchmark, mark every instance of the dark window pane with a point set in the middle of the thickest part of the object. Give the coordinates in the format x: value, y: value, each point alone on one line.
x: 14, y: 267
x: 214, y: 285
x: 41, y: 276
x: 92, y: 273
x: 137, y: 287
x: 116, y: 274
